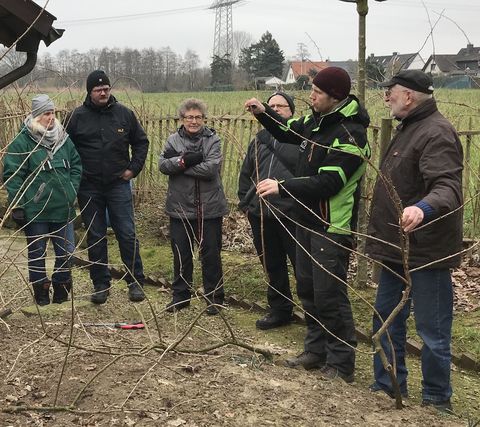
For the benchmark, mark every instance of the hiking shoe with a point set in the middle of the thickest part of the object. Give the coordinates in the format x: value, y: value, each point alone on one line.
x: 177, y: 306
x: 307, y: 359
x: 213, y: 310
x: 135, y: 292
x: 374, y: 387
x: 329, y: 373
x: 443, y: 406
x: 60, y: 292
x: 41, y: 293
x: 273, y: 320
x: 100, y: 293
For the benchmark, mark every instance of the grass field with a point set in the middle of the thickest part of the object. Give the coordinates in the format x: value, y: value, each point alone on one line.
x: 157, y: 112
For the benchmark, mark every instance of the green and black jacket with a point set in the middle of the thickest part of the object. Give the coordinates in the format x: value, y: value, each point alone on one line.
x: 332, y: 160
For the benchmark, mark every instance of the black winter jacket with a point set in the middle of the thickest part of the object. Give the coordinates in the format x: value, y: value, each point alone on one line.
x: 273, y: 160
x: 332, y: 153
x: 423, y: 163
x: 104, y: 137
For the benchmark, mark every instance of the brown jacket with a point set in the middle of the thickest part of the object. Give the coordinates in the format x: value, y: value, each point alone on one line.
x: 423, y: 162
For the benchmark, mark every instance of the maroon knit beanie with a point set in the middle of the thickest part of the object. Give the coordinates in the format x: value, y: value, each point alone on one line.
x: 334, y: 81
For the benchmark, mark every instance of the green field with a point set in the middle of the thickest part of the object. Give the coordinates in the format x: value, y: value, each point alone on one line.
x: 158, y: 112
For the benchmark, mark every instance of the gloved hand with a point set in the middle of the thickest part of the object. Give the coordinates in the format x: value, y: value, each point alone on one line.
x: 169, y: 153
x: 18, y: 215
x: 192, y: 158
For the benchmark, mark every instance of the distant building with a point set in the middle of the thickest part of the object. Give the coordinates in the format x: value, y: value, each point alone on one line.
x: 466, y: 61
x: 351, y: 67
x: 441, y: 64
x: 296, y: 69
x: 396, y: 62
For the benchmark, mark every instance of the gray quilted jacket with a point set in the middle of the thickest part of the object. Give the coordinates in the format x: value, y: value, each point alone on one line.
x: 197, y: 191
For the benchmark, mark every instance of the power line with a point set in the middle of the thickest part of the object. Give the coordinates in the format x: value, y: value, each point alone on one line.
x: 133, y: 16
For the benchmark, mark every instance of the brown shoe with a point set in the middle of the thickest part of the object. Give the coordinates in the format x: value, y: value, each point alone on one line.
x: 307, y: 359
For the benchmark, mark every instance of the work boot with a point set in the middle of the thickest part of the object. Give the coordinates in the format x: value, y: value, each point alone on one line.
x: 307, y: 359
x: 135, y: 292
x: 41, y: 293
x: 273, y: 320
x: 329, y: 373
x: 100, y: 293
x: 213, y: 310
x: 174, y: 306
x: 60, y: 292
x: 443, y: 406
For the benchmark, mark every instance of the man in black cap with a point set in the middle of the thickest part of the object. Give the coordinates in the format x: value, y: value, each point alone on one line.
x: 333, y: 148
x: 272, y: 227
x: 423, y: 165
x: 104, y: 132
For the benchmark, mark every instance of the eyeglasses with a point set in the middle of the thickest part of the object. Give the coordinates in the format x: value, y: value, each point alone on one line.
x: 388, y: 91
x: 193, y: 118
x: 278, y: 105
x: 101, y: 89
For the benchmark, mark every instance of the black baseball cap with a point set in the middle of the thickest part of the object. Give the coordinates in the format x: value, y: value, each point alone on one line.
x: 413, y: 79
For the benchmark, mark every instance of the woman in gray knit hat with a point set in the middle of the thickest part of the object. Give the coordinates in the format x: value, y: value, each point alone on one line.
x: 42, y: 173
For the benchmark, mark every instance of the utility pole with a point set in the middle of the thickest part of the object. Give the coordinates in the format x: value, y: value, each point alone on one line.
x: 362, y: 10
x: 223, y: 37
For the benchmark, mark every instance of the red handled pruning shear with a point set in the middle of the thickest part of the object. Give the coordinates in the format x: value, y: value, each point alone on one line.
x: 118, y: 325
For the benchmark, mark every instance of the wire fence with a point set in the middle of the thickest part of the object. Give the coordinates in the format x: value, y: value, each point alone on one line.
x: 236, y: 131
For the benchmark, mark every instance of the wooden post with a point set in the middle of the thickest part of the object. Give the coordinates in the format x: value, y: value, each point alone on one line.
x: 3, y: 131
x: 467, y: 173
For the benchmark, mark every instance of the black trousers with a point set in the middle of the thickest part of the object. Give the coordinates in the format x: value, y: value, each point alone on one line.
x: 184, y: 235
x: 325, y: 298
x: 277, y: 246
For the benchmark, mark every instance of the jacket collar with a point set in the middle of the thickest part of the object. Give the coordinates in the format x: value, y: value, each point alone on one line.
x: 420, y: 112
x: 89, y: 104
x: 350, y: 109
x: 206, y: 131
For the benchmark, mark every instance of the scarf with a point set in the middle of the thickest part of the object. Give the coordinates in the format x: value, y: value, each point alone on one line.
x: 51, y: 139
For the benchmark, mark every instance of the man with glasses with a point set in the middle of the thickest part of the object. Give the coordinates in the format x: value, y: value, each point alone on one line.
x: 104, y: 133
x: 423, y: 166
x: 272, y: 226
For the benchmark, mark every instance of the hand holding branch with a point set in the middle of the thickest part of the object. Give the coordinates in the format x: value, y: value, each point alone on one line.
x: 254, y: 106
x: 266, y: 187
x: 412, y: 216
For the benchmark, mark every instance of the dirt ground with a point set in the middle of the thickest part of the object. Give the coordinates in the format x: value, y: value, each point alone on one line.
x: 54, y: 374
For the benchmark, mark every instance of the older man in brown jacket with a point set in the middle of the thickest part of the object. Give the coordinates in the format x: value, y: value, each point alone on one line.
x: 423, y: 165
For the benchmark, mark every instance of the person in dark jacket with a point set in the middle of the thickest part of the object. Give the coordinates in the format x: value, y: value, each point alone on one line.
x: 267, y: 158
x: 104, y: 132
x: 196, y: 204
x: 423, y: 165
x: 333, y: 148
x: 42, y: 173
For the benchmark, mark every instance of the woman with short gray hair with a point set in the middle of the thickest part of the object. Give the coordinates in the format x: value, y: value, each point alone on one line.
x: 196, y: 205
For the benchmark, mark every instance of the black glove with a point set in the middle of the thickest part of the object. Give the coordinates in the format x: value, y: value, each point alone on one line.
x: 18, y: 215
x: 192, y: 158
x: 169, y: 153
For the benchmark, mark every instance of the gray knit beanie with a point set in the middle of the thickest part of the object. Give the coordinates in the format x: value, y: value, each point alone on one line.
x: 41, y: 104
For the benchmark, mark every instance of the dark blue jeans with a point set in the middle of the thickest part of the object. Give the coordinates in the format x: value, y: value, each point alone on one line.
x: 93, y: 201
x: 37, y: 234
x: 432, y: 297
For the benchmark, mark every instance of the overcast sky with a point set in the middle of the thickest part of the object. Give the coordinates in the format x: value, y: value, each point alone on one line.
x: 392, y: 25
